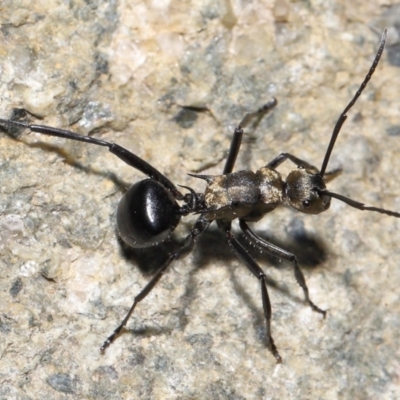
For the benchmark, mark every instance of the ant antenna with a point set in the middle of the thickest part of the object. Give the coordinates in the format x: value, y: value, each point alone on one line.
x: 336, y: 130
x: 343, y: 115
x: 357, y: 204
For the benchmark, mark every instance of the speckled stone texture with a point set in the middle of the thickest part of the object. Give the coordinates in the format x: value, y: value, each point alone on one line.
x: 121, y: 71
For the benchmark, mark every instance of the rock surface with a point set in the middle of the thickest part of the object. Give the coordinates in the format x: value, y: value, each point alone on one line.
x: 121, y: 71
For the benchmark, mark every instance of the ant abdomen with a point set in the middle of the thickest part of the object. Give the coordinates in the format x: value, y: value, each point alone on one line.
x: 147, y: 214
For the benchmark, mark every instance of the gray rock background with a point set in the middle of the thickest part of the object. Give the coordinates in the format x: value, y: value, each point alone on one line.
x: 121, y: 71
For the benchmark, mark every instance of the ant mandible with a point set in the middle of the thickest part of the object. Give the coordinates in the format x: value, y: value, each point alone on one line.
x: 149, y: 211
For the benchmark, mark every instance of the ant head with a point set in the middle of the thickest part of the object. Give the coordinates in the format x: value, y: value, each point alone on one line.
x: 303, y: 191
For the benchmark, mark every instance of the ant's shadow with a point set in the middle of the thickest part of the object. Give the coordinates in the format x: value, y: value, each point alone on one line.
x: 211, y: 248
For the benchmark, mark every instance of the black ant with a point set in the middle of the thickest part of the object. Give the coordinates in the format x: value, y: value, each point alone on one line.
x: 149, y: 211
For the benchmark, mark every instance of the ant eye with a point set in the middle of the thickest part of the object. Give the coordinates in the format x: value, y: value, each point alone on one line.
x: 306, y: 203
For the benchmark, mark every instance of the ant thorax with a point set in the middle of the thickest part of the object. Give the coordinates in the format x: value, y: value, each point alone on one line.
x: 243, y: 194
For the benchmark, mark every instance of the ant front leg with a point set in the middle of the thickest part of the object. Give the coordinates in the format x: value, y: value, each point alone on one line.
x: 256, y: 270
x: 199, y: 227
x: 277, y: 161
x: 328, y: 176
x: 281, y: 253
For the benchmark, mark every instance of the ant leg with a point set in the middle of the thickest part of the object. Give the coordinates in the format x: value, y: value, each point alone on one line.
x: 255, y: 269
x: 331, y: 175
x: 258, y: 113
x: 297, y: 161
x: 233, y: 150
x: 281, y: 253
x: 301, y: 163
x: 238, y: 134
x: 124, y: 154
x: 198, y: 228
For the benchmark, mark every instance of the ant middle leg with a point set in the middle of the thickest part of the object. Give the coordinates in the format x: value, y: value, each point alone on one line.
x: 198, y: 228
x: 281, y: 253
x: 256, y: 270
x: 238, y: 134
